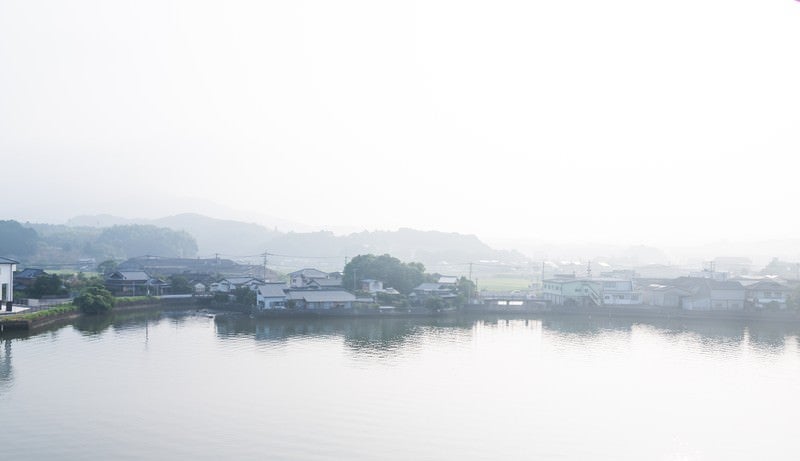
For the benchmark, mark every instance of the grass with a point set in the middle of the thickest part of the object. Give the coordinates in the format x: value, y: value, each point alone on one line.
x: 121, y: 301
x: 53, y: 311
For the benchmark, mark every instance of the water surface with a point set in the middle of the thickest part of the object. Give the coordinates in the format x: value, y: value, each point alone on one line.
x: 185, y: 386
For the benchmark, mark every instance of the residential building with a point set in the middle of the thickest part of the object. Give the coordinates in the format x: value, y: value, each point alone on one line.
x: 371, y: 285
x: 708, y: 294
x: 767, y: 293
x: 25, y: 278
x: 229, y: 284
x: 135, y: 283
x: 617, y: 291
x: 321, y: 299
x: 663, y: 295
x: 301, y: 278
x: 570, y: 291
x: 271, y: 296
x: 7, y: 267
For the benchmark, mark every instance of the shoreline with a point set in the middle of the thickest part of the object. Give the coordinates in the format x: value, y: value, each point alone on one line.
x: 627, y: 312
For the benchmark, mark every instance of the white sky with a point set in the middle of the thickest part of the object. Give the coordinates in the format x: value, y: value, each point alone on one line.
x: 621, y: 121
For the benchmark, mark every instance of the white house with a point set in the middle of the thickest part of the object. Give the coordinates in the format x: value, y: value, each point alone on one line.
x: 231, y: 283
x: 767, y: 293
x: 7, y: 268
x: 271, y: 296
x: 301, y: 278
x: 371, y: 285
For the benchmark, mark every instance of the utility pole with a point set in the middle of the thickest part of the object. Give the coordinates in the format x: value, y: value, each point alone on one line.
x: 469, y: 286
x: 265, y: 265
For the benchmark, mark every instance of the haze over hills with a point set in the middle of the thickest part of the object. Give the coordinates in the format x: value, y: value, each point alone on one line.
x: 240, y: 239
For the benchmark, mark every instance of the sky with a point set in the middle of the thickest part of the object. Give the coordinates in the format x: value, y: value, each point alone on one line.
x: 623, y: 121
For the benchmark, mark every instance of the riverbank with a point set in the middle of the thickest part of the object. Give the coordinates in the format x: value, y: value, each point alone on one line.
x: 68, y: 312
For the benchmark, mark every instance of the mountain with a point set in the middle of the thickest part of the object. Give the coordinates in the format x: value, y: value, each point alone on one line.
x: 241, y: 240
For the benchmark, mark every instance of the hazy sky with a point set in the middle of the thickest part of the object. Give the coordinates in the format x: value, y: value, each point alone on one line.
x: 624, y: 121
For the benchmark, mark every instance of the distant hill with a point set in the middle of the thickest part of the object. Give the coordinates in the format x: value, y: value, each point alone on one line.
x: 238, y: 239
x: 213, y: 235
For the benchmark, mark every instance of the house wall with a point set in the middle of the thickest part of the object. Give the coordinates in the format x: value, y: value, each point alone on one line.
x: 7, y: 281
x: 271, y: 302
x: 727, y: 299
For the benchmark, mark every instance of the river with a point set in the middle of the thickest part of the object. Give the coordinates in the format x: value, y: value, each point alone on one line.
x: 188, y: 386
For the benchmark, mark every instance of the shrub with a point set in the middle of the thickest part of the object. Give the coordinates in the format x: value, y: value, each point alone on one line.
x: 95, y: 300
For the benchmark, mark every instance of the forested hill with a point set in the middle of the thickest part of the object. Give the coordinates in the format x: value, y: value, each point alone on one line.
x: 235, y: 238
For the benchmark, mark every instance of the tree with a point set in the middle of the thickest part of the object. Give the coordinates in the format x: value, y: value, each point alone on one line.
x: 138, y: 240
x: 245, y: 296
x: 16, y: 240
x: 107, y: 267
x: 435, y: 303
x: 179, y: 285
x: 391, y: 271
x: 95, y: 300
x: 47, y: 285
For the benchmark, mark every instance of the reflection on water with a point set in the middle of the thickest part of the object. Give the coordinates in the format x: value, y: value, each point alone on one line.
x: 5, y: 364
x: 489, y: 387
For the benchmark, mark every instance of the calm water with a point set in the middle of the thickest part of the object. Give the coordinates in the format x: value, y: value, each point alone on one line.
x: 178, y: 386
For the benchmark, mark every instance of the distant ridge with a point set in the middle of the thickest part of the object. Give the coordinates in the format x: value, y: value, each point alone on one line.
x: 240, y: 239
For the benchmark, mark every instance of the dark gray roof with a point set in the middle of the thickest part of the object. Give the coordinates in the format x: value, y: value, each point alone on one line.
x: 29, y: 273
x: 7, y: 261
x: 134, y: 276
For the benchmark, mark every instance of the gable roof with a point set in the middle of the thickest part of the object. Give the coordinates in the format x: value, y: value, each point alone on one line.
x: 242, y: 280
x: 272, y: 290
x: 29, y: 273
x: 309, y: 273
x: 133, y: 276
x: 7, y: 261
x: 768, y: 285
x: 325, y: 282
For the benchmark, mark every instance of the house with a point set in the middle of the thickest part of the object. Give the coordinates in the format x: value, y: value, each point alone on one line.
x: 271, y: 296
x: 229, y: 284
x: 371, y: 285
x: 324, y: 284
x: 618, y: 291
x: 663, y: 295
x: 25, y: 278
x: 708, y: 294
x: 448, y: 281
x: 7, y: 267
x: 301, y: 278
x: 428, y: 289
x: 198, y: 287
x: 321, y: 299
x: 135, y: 283
x: 565, y: 291
x: 767, y: 293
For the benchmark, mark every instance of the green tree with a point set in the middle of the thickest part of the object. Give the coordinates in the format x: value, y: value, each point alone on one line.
x: 47, y: 285
x: 95, y: 300
x: 391, y: 271
x: 16, y: 240
x: 107, y: 267
x: 138, y: 240
x: 179, y: 285
x: 435, y: 303
x: 245, y: 296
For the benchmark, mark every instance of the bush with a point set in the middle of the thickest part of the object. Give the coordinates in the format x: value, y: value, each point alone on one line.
x: 95, y: 300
